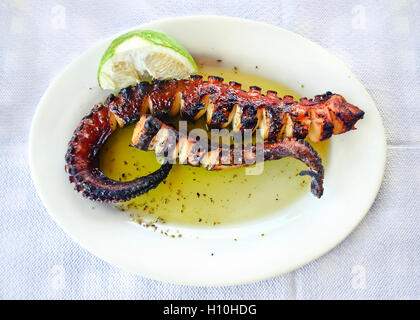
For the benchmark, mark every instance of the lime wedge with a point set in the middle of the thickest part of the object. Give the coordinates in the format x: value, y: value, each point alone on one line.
x: 143, y: 54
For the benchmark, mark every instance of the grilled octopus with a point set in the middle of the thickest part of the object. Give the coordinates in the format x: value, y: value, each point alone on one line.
x: 284, y: 123
x: 152, y: 134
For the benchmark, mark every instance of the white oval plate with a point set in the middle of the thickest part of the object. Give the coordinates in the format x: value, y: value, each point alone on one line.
x: 302, y: 232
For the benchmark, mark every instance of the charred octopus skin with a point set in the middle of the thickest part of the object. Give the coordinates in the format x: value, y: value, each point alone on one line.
x: 152, y: 134
x: 82, y: 163
x: 227, y: 104
x: 281, y: 120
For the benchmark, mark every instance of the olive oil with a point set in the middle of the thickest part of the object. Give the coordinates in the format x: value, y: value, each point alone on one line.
x: 194, y: 196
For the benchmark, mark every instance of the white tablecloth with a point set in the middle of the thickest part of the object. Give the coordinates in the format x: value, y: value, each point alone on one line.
x: 378, y: 40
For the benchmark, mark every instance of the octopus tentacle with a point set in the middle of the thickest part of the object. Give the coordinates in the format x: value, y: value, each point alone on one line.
x: 82, y: 162
x: 152, y: 134
x: 303, y: 151
x: 227, y: 104
x: 281, y: 120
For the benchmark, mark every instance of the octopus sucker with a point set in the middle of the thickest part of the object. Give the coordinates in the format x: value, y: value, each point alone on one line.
x: 284, y: 123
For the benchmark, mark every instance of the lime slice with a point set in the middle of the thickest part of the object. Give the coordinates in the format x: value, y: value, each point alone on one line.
x: 143, y: 54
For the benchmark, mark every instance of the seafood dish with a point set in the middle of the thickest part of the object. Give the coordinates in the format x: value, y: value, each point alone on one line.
x: 282, y: 124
